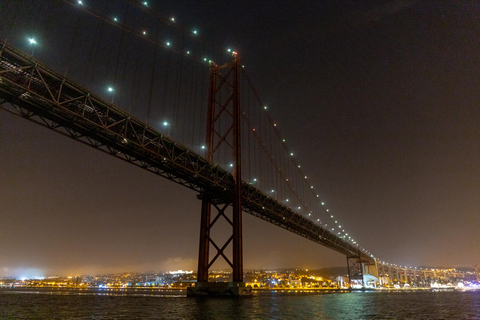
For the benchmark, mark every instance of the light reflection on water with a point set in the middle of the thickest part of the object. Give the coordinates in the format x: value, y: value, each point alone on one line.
x: 361, y: 305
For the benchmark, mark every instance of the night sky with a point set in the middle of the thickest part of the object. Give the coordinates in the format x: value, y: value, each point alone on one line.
x: 379, y: 99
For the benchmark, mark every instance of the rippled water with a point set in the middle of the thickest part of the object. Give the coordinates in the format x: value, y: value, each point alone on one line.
x: 361, y: 305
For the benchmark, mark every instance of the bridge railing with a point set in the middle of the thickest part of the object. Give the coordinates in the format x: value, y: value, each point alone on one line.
x: 32, y: 90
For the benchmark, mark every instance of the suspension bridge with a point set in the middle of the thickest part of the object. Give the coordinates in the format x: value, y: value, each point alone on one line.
x: 225, y: 145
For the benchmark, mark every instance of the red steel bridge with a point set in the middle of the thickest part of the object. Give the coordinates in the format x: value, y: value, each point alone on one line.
x: 239, y: 133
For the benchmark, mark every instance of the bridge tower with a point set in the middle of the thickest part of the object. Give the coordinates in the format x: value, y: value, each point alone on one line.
x: 223, y: 133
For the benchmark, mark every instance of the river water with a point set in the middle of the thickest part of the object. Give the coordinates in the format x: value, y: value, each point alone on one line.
x: 344, y: 306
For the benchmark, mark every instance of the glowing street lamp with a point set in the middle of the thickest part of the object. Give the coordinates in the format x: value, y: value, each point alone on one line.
x: 255, y: 180
x: 167, y: 125
x: 112, y: 91
x: 32, y: 43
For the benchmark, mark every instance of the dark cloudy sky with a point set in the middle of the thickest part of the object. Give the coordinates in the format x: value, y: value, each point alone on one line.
x: 379, y: 99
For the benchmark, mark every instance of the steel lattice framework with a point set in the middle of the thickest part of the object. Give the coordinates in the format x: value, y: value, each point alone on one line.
x: 35, y: 92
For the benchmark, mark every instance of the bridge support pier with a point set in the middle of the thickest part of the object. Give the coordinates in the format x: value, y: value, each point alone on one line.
x: 355, y: 270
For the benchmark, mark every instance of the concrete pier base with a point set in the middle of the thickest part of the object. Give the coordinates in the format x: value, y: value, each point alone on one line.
x: 219, y: 289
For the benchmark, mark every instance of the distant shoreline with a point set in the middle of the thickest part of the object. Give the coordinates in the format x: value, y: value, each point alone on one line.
x: 177, y: 292
x: 98, y: 291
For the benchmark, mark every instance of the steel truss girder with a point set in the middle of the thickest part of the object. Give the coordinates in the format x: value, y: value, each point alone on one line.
x: 33, y: 91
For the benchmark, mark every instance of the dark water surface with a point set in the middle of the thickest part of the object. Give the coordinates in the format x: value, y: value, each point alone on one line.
x: 361, y: 305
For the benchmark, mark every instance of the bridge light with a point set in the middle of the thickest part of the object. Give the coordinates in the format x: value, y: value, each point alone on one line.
x: 283, y: 140
x: 165, y: 123
x: 194, y: 31
x: 145, y: 3
x: 331, y: 215
x: 229, y: 50
x: 328, y: 210
x: 265, y: 107
x: 80, y: 2
x: 115, y: 19
x: 231, y: 164
x: 272, y: 190
x: 112, y: 90
x: 203, y: 147
x: 168, y: 44
x: 188, y: 52
x: 173, y: 19
x: 291, y: 153
x: 144, y: 32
